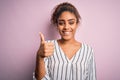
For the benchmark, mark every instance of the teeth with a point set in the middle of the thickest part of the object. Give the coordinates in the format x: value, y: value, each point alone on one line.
x: 66, y: 33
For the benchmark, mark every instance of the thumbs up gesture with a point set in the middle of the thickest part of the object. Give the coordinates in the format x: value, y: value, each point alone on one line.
x: 46, y: 48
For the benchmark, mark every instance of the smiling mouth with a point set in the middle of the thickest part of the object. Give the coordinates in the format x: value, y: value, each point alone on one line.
x: 66, y: 33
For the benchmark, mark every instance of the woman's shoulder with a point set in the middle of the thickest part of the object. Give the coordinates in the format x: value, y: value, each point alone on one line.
x: 87, y: 46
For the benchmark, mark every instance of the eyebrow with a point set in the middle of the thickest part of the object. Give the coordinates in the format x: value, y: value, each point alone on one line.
x: 67, y: 20
x: 71, y: 20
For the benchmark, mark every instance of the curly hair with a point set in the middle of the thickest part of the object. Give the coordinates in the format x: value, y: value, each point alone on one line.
x: 65, y: 6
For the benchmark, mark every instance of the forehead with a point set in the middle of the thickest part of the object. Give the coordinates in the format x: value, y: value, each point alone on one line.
x: 66, y: 15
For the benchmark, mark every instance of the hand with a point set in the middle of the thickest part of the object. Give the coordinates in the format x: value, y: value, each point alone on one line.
x: 46, y: 48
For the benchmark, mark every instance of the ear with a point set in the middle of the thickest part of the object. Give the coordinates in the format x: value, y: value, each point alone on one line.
x: 56, y: 26
x: 78, y: 24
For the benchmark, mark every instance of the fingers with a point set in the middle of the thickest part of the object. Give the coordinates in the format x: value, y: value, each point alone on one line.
x: 49, y: 44
x: 42, y: 37
x: 46, y: 48
x: 48, y: 52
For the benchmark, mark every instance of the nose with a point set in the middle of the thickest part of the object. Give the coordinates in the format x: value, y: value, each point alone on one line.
x: 66, y: 26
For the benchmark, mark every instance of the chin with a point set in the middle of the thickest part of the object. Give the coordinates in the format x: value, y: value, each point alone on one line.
x: 66, y: 38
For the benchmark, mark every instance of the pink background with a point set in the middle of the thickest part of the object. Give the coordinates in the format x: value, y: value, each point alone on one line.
x: 22, y: 20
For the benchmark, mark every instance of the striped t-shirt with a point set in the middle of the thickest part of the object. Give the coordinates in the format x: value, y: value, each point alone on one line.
x: 80, y: 67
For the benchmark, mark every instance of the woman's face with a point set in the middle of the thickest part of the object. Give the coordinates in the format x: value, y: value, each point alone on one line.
x: 67, y: 25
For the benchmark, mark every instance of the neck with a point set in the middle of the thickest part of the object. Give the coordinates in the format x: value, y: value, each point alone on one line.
x: 63, y: 41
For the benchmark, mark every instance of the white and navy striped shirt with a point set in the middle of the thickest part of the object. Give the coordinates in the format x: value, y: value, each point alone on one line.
x: 80, y: 67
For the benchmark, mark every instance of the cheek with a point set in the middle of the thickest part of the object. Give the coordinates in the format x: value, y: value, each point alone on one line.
x: 74, y: 27
x: 59, y: 28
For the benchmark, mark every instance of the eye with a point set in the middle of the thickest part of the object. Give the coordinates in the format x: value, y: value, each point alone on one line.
x: 61, y: 23
x: 71, y: 22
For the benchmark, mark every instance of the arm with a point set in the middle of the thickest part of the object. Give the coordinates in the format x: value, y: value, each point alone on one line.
x: 40, y: 68
x: 46, y: 49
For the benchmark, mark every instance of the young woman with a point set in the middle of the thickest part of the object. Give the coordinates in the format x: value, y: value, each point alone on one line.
x: 65, y: 58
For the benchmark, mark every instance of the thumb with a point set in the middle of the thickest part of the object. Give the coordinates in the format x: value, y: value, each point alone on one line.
x: 42, y: 37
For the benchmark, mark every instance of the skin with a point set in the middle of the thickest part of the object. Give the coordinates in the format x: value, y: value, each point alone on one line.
x: 66, y: 27
x: 45, y: 50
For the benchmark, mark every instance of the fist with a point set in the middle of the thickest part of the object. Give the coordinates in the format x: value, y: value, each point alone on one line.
x: 46, y: 48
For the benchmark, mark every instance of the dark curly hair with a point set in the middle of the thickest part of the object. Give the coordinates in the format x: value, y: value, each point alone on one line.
x: 65, y: 6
